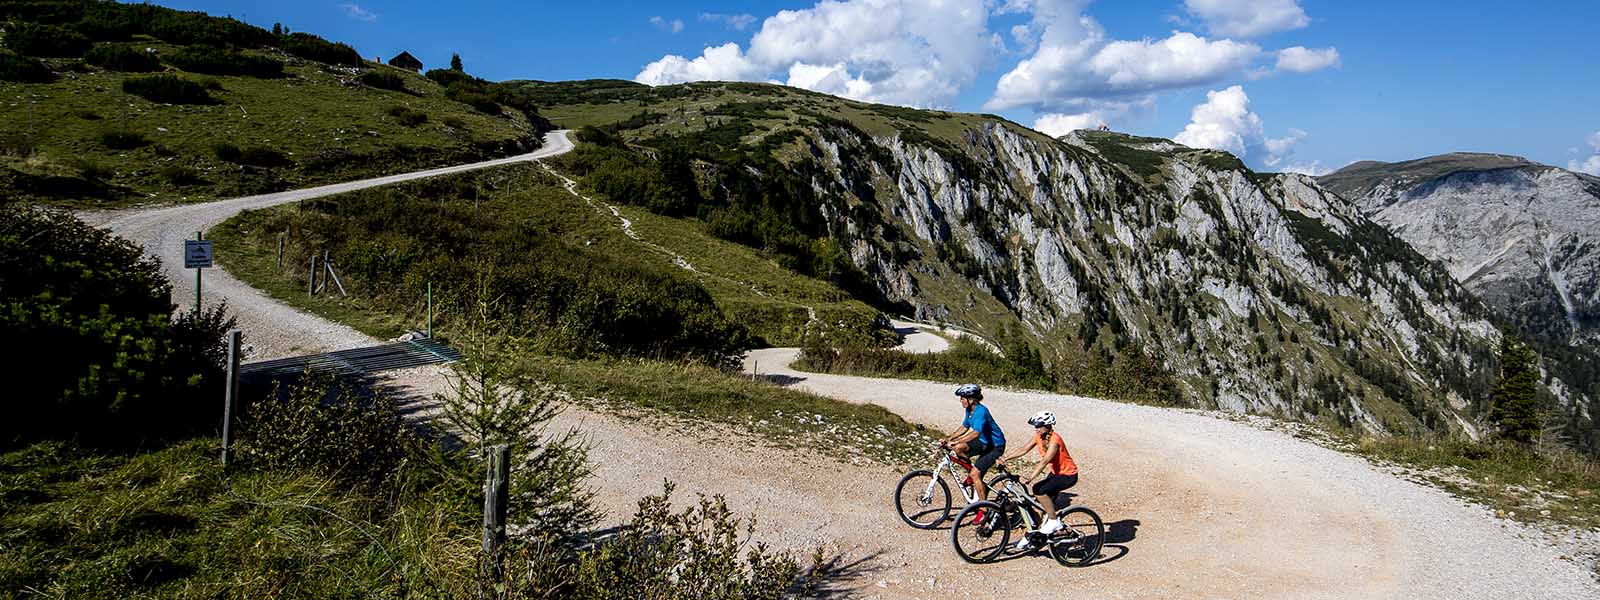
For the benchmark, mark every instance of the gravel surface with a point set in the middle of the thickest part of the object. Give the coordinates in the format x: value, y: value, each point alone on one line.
x: 272, y: 329
x: 1225, y: 509
x: 1197, y: 506
x: 917, y: 339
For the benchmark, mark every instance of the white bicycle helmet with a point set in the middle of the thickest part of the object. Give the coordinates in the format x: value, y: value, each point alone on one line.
x: 969, y: 390
x: 1042, y: 418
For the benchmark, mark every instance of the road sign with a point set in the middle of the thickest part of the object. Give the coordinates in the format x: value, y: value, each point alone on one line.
x: 197, y: 254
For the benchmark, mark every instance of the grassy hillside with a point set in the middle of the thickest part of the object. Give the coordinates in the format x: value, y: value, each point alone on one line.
x: 156, y: 111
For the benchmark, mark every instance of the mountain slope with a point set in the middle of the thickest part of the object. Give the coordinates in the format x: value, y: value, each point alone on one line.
x: 1119, y: 255
x: 1523, y: 236
x: 144, y: 102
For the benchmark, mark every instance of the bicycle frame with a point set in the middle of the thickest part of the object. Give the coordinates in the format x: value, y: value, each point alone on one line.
x: 959, y: 469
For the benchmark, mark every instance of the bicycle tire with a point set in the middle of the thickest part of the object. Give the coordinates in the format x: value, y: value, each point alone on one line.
x: 979, y: 542
x: 934, y: 511
x: 1085, y: 547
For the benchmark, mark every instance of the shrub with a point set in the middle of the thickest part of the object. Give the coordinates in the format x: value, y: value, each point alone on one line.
x: 454, y: 122
x: 36, y: 39
x: 448, y: 77
x: 217, y: 61
x: 105, y: 361
x: 321, y: 424
x: 180, y: 176
x: 123, y: 139
x: 255, y: 156
x: 384, y: 80
x: 479, y: 102
x: 94, y: 171
x: 123, y: 57
x: 310, y: 47
x: 21, y: 69
x: 168, y: 89
x: 408, y: 116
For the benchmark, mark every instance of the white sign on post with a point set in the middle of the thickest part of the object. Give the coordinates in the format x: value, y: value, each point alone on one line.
x: 197, y: 254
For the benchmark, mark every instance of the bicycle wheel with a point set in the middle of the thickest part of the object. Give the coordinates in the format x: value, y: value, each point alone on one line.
x: 979, y: 533
x: 1080, y: 539
x: 922, y: 499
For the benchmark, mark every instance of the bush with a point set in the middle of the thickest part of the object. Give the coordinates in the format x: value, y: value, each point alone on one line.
x: 255, y: 156
x: 217, y: 61
x: 479, y: 102
x: 454, y: 122
x: 93, y: 171
x: 123, y: 139
x: 21, y: 69
x: 168, y: 89
x: 320, y: 424
x: 180, y: 176
x: 123, y: 57
x: 310, y: 47
x: 408, y: 116
x: 35, y: 39
x: 105, y: 361
x: 384, y: 80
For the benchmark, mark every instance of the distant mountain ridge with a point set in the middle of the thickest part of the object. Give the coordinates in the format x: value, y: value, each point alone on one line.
x: 1257, y: 292
x: 1523, y: 236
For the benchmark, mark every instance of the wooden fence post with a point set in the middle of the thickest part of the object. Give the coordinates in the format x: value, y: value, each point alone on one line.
x: 496, y: 495
x: 281, y: 238
x: 230, y: 394
x: 311, y: 287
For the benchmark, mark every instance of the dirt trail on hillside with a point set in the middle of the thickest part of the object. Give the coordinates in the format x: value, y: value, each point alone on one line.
x: 1197, y: 506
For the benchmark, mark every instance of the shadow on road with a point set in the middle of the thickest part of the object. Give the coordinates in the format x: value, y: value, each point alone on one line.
x: 839, y: 576
x: 782, y: 380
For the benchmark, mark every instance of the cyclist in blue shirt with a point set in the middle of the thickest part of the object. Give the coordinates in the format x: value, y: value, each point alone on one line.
x: 979, y: 436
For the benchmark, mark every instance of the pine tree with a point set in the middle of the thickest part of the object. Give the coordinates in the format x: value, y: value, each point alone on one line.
x: 455, y: 62
x: 1514, y: 403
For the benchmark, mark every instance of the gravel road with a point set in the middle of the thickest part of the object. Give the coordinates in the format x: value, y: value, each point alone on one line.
x: 272, y: 329
x: 1198, y: 506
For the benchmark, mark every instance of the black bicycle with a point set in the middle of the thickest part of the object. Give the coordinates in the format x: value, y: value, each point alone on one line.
x: 983, y: 529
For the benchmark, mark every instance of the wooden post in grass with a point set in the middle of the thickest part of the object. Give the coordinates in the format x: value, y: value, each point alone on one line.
x: 280, y: 248
x: 311, y: 286
x: 230, y: 394
x: 496, y: 495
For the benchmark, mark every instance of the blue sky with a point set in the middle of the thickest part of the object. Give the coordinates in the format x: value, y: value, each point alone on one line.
x: 1360, y: 80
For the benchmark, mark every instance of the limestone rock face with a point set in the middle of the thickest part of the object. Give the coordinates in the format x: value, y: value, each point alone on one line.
x: 1260, y: 293
x: 1522, y: 236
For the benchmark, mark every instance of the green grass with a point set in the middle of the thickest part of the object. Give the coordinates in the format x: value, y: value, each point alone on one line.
x: 696, y: 394
x: 75, y: 523
x: 332, y: 128
x: 966, y: 361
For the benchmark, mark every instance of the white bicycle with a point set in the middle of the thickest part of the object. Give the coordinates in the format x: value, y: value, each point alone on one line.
x: 923, y: 498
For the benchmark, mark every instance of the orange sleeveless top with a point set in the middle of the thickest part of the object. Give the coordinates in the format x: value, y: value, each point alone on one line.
x: 1061, y: 463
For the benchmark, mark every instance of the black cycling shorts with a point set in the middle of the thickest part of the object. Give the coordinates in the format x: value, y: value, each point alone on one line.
x: 1054, y: 484
x: 986, y: 456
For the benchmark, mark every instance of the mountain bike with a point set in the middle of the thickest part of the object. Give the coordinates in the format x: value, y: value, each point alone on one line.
x: 923, y: 497
x: 983, y: 530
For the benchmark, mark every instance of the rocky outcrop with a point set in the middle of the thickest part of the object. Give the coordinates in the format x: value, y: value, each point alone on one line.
x: 1524, y: 237
x: 1261, y: 293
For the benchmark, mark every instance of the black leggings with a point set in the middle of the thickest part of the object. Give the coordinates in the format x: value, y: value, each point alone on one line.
x: 1054, y: 484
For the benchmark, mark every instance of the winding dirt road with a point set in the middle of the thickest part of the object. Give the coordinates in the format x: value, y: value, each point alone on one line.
x: 1198, y: 506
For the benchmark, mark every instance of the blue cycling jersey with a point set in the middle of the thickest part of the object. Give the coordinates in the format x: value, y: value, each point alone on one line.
x: 979, y: 420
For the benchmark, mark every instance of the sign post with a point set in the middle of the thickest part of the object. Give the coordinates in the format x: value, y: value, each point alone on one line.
x: 197, y: 256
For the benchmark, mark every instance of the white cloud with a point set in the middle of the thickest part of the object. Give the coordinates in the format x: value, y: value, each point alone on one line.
x: 738, y: 22
x: 1075, y: 62
x: 1313, y: 168
x: 1224, y: 122
x: 913, y: 52
x: 720, y: 63
x: 1057, y: 124
x: 1248, y: 18
x: 1590, y: 165
x: 1299, y: 59
x: 672, y: 25
x: 355, y: 11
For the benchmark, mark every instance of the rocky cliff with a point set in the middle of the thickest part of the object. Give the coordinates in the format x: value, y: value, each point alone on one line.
x: 1255, y: 292
x: 1525, y: 237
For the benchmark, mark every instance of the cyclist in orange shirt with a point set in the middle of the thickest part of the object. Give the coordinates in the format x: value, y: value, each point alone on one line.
x: 1063, y: 470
